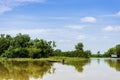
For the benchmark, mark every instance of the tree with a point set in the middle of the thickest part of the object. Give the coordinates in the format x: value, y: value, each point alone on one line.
x: 4, y: 43
x: 79, y: 50
x: 98, y: 54
x: 79, y: 46
x: 22, y: 46
x: 114, y: 50
x: 21, y: 40
x: 46, y: 47
x: 57, y: 52
x: 118, y: 49
x: 87, y: 53
x: 110, y: 51
x: 9, y: 52
x: 34, y: 52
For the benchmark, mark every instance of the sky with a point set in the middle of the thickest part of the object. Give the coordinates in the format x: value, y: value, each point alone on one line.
x: 95, y: 23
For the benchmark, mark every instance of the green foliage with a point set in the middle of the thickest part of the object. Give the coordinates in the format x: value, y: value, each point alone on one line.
x: 21, y: 40
x: 57, y: 52
x: 79, y: 52
x: 21, y: 46
x: 79, y: 46
x: 87, y: 53
x: 110, y: 51
x: 34, y: 53
x: 118, y: 49
x: 16, y: 53
x: 4, y: 43
x: 8, y: 53
x: 114, y: 50
x: 20, y: 52
x: 46, y: 48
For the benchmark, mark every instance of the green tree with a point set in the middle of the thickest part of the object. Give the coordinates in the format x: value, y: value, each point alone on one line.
x: 79, y: 50
x: 21, y: 40
x: 9, y: 52
x: 110, y: 51
x: 4, y: 43
x: 118, y: 49
x: 22, y: 46
x: 57, y: 52
x: 34, y: 52
x: 87, y: 53
x: 98, y: 54
x: 79, y: 46
x: 46, y: 47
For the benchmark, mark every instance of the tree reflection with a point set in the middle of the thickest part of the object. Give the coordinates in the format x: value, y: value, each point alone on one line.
x: 23, y: 70
x: 114, y: 63
x: 78, y: 64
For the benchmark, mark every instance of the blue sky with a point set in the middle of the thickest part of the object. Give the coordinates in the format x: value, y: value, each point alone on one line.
x: 96, y: 23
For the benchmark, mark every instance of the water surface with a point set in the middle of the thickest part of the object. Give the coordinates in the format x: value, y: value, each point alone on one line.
x: 91, y: 69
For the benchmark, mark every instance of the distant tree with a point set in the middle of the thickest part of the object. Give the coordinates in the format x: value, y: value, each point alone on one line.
x: 118, y: 49
x: 110, y: 51
x: 34, y: 52
x: 114, y: 50
x: 4, y: 42
x: 21, y: 40
x: 20, y: 53
x: 98, y: 54
x: 79, y: 50
x: 22, y: 46
x: 87, y: 53
x: 57, y: 52
x: 9, y: 53
x: 79, y: 46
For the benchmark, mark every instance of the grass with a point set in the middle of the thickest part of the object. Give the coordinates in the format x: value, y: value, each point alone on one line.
x: 66, y: 58
x: 44, y: 59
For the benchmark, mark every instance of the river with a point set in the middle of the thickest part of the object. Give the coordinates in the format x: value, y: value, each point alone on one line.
x: 91, y: 69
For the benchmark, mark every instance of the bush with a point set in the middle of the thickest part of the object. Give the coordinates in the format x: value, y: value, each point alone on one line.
x: 34, y: 53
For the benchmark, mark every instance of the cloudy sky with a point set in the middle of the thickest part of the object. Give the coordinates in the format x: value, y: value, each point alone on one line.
x: 96, y: 23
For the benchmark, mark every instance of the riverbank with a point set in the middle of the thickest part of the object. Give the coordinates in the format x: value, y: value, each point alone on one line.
x: 44, y: 59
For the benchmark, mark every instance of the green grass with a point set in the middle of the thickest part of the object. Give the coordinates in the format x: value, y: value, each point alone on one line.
x: 66, y: 58
x: 44, y: 59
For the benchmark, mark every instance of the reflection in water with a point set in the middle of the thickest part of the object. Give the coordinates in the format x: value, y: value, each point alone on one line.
x: 98, y: 61
x: 23, y: 70
x: 114, y: 63
x: 70, y: 70
x: 98, y: 69
x: 78, y: 64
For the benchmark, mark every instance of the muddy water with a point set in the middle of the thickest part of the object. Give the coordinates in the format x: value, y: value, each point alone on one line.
x: 91, y: 69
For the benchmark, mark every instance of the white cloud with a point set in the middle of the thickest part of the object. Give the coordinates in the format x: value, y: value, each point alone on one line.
x: 76, y: 27
x: 4, y: 9
x: 88, y: 19
x: 106, y: 37
x: 81, y: 37
x: 8, y: 5
x: 111, y: 28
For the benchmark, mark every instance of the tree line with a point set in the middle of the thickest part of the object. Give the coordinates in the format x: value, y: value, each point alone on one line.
x: 114, y: 50
x: 22, y: 46
x: 78, y: 52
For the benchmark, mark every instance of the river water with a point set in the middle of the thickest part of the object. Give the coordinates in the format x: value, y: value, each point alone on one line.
x: 91, y: 69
